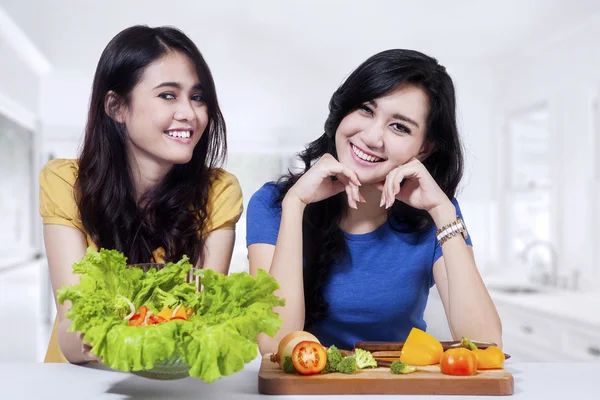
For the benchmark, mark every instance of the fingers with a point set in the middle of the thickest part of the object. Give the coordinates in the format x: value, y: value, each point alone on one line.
x: 393, y: 186
x: 352, y: 200
x: 339, y: 170
x: 347, y: 177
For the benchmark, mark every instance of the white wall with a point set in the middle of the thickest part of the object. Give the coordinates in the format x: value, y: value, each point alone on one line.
x: 474, y: 87
x: 19, y: 102
x: 566, y: 74
x: 17, y: 82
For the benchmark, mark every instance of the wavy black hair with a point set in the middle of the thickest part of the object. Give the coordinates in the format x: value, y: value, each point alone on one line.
x: 323, y: 239
x: 172, y: 214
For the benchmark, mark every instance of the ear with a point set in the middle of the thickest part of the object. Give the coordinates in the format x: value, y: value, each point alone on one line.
x: 427, y: 149
x: 114, y: 107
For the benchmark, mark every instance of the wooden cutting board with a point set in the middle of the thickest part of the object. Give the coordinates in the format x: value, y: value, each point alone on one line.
x: 426, y: 380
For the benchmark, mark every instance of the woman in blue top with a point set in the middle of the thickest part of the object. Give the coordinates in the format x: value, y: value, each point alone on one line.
x: 359, y: 237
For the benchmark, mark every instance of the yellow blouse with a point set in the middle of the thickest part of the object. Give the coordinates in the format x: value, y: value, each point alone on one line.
x: 58, y: 206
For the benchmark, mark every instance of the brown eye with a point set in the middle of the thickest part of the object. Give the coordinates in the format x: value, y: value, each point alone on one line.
x: 398, y: 127
x: 366, y: 109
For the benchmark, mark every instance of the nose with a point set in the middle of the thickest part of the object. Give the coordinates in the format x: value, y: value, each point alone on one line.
x: 373, y: 136
x: 185, y: 111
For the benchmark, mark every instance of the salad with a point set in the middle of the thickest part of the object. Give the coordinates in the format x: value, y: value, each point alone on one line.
x: 134, y: 319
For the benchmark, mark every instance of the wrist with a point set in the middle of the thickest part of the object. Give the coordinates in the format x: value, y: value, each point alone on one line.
x: 443, y: 214
x: 292, y: 202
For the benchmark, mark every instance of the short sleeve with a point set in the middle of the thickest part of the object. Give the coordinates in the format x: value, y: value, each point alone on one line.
x: 438, y: 248
x: 225, y: 204
x: 263, y: 216
x: 57, y: 197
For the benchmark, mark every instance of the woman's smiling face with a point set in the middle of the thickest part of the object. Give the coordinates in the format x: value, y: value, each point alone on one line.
x: 384, y: 133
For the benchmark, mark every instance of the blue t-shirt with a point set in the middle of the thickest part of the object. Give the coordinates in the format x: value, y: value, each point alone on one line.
x: 378, y: 291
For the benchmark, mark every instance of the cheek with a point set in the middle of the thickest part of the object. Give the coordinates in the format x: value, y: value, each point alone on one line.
x: 147, y: 120
x: 402, y: 150
x: 202, y: 117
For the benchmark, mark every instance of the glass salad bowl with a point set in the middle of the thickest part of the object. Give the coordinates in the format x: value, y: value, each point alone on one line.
x: 174, y: 367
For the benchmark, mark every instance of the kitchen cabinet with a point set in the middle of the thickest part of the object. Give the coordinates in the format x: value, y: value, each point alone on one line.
x: 529, y: 333
x: 533, y: 336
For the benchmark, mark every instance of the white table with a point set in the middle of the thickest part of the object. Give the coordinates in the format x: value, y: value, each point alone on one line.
x: 20, y: 381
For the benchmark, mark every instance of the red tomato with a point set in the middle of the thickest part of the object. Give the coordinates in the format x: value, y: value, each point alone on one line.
x: 155, y: 319
x: 309, y: 357
x: 139, y: 318
x: 458, y: 361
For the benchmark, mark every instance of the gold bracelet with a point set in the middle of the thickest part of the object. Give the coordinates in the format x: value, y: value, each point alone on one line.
x: 450, y: 230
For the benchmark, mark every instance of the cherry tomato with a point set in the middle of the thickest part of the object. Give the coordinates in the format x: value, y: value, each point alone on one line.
x: 458, y: 361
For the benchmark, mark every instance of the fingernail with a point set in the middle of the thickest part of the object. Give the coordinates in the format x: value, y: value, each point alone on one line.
x: 389, y: 204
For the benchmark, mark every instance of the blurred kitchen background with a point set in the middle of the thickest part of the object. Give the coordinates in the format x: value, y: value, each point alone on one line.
x: 527, y: 74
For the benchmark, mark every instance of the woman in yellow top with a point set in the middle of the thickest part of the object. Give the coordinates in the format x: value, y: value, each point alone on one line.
x: 147, y: 181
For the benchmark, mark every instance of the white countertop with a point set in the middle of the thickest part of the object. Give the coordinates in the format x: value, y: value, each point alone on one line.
x: 24, y: 381
x: 581, y: 306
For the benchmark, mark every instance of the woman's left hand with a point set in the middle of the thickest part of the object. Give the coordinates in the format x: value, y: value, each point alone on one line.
x: 419, y: 189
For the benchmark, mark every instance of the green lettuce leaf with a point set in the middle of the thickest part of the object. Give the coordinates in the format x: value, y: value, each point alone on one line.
x: 217, y: 340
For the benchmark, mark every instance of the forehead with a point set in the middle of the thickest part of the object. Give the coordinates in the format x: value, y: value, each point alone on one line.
x: 172, y: 67
x: 408, y: 100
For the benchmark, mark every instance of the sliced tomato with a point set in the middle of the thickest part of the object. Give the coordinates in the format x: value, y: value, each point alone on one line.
x: 309, y: 357
x: 139, y: 318
x: 133, y: 320
x: 155, y: 319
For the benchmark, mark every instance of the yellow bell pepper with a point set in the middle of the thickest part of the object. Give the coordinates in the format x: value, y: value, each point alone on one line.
x: 420, y: 348
x: 489, y: 358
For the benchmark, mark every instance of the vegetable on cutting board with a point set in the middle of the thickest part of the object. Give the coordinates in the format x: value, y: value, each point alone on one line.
x: 287, y: 344
x: 309, y: 357
x: 399, y: 367
x: 421, y: 348
x: 489, y: 358
x: 458, y: 361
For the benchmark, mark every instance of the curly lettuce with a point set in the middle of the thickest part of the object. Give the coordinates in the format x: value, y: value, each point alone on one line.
x: 217, y: 340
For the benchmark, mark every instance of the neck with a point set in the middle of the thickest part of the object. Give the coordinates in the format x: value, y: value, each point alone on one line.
x: 369, y: 216
x: 146, y: 171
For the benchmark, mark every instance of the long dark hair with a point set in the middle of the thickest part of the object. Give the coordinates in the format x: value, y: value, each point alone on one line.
x: 172, y: 214
x: 323, y: 239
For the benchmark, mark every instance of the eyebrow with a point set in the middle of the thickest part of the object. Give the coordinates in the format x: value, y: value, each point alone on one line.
x: 396, y: 115
x: 177, y: 85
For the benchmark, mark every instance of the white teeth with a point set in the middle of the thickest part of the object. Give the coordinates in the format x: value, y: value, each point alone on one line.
x: 364, y: 156
x: 180, y: 134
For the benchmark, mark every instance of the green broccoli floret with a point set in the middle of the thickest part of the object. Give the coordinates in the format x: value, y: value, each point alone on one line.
x: 333, y: 360
x: 288, y: 365
x: 399, y: 367
x: 347, y: 365
x: 364, y: 359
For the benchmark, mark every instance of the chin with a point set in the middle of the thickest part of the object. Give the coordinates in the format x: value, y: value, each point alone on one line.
x: 179, y: 159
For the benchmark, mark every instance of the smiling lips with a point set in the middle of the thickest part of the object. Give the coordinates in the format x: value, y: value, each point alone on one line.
x: 364, y: 157
x: 180, y: 135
